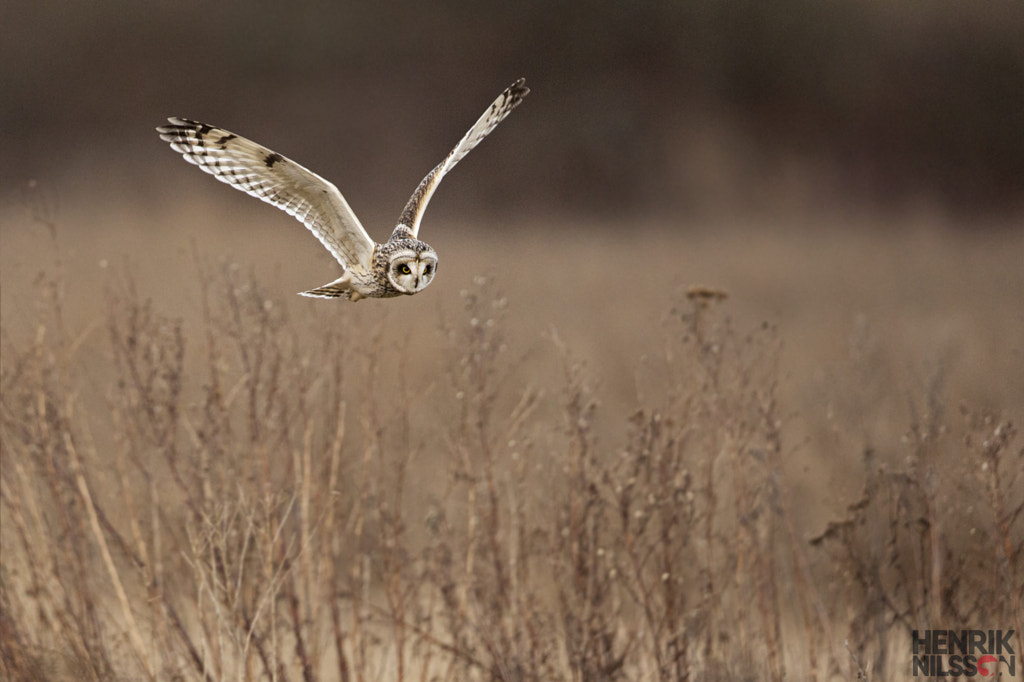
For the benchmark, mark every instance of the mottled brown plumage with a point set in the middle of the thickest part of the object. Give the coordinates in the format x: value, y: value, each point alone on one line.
x: 401, y: 265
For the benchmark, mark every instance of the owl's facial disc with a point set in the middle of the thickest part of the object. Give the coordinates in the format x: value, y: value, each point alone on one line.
x: 410, y: 273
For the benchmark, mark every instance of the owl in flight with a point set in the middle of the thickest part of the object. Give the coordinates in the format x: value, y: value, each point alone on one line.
x: 401, y: 265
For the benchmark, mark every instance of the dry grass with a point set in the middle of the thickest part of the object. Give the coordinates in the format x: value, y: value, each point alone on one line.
x: 213, y: 481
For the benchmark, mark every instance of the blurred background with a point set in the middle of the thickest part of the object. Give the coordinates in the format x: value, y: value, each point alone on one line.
x: 646, y: 108
x: 825, y: 162
x: 850, y: 172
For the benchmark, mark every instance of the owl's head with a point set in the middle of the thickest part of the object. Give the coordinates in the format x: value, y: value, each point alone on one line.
x: 411, y: 267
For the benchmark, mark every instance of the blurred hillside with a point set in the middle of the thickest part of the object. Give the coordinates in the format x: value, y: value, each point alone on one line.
x: 640, y: 107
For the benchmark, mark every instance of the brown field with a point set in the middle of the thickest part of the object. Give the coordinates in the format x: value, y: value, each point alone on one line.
x: 554, y: 464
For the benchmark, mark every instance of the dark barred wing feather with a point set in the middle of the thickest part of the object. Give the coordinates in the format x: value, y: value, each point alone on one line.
x: 277, y: 180
x: 495, y: 114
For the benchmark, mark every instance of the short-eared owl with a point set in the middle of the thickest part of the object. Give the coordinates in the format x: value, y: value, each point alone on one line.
x: 401, y: 265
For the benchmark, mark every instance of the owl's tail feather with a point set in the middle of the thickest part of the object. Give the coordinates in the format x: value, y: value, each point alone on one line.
x: 336, y: 289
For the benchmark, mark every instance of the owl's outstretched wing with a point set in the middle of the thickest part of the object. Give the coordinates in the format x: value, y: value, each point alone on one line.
x: 495, y: 114
x: 268, y: 176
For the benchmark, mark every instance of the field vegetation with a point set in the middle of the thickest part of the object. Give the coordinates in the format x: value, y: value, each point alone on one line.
x: 588, y: 452
x: 721, y: 378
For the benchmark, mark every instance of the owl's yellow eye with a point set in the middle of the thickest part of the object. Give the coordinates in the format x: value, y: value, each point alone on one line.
x: 404, y: 269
